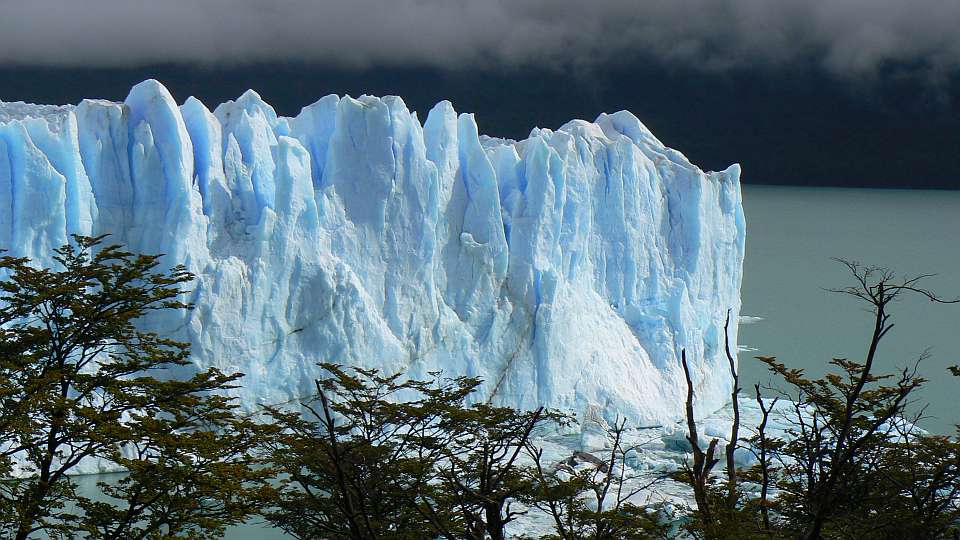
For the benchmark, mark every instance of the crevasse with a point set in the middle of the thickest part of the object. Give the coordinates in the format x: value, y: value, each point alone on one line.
x: 568, y: 269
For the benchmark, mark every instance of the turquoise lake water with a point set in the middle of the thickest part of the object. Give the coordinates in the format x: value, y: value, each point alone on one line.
x: 792, y: 233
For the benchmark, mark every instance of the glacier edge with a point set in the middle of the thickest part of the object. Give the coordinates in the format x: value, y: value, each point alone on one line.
x: 565, y: 270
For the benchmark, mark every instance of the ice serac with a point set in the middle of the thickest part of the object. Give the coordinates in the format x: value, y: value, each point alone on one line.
x: 567, y: 270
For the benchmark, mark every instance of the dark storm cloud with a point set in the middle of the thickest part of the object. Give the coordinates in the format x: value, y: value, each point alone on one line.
x: 846, y: 36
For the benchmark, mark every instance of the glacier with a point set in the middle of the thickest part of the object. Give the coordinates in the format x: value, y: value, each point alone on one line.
x: 568, y: 269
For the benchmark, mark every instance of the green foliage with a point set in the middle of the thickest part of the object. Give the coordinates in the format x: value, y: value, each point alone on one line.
x: 837, y: 451
x: 76, y: 383
x: 383, y: 457
x: 852, y: 464
x: 480, y: 473
x: 362, y: 462
x: 588, y: 498
x: 374, y: 456
x: 741, y: 520
x: 380, y: 456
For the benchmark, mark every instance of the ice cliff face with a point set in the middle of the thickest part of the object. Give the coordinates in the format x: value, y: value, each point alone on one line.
x: 567, y: 269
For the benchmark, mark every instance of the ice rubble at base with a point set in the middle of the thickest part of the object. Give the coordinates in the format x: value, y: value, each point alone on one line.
x: 654, y: 454
x: 567, y: 269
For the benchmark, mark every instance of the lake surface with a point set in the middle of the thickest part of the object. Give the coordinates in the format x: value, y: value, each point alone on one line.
x: 792, y: 233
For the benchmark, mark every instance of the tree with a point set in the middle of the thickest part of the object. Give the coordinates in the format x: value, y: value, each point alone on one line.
x: 191, y: 476
x: 360, y: 460
x: 481, y: 474
x: 721, y: 512
x: 76, y: 384
x: 589, y: 498
x: 762, y: 447
x: 851, y: 462
x: 381, y: 456
x: 850, y: 436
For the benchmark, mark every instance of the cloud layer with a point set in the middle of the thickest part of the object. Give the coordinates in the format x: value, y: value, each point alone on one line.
x: 846, y: 36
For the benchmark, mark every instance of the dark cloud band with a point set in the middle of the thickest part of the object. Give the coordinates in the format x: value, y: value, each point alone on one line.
x: 846, y: 36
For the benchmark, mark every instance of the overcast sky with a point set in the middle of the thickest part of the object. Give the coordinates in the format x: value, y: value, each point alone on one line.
x: 804, y: 92
x: 849, y: 37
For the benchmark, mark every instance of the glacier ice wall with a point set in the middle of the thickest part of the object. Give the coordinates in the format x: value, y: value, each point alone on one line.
x: 567, y: 269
